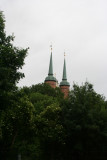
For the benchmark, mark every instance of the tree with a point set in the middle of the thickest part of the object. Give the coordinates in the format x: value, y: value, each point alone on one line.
x: 50, y: 131
x: 48, y: 135
x: 11, y: 60
x: 85, y: 121
x: 17, y: 125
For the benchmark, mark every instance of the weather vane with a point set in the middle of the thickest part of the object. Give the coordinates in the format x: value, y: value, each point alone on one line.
x: 51, y: 46
x: 64, y: 54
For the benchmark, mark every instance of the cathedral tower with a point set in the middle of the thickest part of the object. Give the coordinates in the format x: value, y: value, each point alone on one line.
x: 50, y: 79
x: 64, y: 85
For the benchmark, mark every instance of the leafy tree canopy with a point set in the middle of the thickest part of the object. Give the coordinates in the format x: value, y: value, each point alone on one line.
x: 11, y: 60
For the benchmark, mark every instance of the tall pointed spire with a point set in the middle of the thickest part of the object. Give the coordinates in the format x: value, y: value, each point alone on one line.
x: 50, y: 79
x: 51, y: 64
x: 64, y: 77
x: 64, y: 85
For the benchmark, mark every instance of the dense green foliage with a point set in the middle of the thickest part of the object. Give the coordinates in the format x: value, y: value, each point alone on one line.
x: 38, y: 123
x: 11, y: 60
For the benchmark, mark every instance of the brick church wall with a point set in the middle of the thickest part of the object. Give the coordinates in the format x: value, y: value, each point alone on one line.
x: 65, y: 90
x: 51, y: 83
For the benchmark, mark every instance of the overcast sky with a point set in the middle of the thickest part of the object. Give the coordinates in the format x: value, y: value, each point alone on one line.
x: 77, y: 26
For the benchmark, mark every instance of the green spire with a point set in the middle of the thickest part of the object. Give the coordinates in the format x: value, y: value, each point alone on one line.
x: 50, y: 66
x: 64, y: 77
x: 50, y: 73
